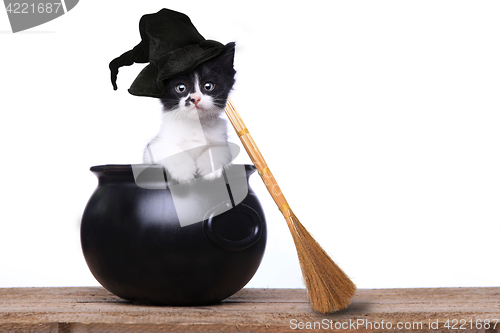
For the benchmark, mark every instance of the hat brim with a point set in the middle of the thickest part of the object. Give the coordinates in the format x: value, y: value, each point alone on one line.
x: 150, y: 80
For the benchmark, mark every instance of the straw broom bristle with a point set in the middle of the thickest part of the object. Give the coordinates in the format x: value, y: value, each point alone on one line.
x: 329, y: 288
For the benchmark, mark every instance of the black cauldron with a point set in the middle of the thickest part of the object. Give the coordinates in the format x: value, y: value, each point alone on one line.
x: 137, y: 247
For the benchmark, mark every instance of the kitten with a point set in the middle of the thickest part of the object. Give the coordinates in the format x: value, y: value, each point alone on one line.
x: 191, y: 120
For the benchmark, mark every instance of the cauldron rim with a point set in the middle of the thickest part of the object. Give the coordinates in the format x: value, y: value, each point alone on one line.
x: 127, y: 168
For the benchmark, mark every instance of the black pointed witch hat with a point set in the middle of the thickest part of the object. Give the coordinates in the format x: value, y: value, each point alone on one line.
x: 172, y: 46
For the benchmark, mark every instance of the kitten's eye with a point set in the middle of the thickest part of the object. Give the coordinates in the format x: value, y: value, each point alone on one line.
x: 180, y: 88
x: 209, y: 86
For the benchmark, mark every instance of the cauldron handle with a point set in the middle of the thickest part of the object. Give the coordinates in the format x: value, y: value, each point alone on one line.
x: 215, y: 219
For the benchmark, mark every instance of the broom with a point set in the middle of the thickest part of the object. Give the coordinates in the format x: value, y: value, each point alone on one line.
x: 328, y: 286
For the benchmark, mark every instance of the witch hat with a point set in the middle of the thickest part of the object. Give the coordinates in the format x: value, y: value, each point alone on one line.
x: 172, y: 46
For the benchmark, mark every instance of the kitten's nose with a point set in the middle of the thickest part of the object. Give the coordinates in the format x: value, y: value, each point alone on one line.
x: 195, y: 98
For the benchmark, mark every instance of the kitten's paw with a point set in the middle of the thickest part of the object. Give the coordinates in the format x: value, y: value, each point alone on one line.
x: 212, y: 162
x: 180, y: 167
x: 182, y: 174
x: 212, y: 175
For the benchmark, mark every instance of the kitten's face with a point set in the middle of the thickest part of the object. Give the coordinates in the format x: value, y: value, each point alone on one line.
x: 203, y: 92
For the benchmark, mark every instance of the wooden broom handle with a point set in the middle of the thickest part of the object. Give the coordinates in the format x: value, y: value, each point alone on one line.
x: 257, y: 159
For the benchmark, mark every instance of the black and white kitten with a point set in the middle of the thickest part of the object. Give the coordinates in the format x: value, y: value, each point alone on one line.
x: 192, y: 108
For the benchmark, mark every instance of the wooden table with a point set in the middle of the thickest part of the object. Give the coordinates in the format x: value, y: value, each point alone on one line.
x: 82, y: 309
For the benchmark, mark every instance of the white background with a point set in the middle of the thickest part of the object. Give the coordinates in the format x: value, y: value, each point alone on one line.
x: 379, y: 119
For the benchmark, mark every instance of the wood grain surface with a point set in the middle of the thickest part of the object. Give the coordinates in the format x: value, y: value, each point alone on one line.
x: 93, y: 309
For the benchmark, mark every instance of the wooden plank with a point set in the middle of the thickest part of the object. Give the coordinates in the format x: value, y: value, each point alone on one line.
x: 250, y: 310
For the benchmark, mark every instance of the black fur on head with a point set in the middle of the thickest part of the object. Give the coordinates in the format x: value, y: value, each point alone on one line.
x: 218, y: 71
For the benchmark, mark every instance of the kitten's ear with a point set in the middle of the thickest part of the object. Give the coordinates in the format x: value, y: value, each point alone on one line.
x: 226, y: 58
